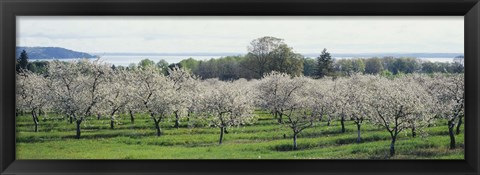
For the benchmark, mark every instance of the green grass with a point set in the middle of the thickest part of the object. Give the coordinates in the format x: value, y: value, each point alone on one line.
x: 195, y: 140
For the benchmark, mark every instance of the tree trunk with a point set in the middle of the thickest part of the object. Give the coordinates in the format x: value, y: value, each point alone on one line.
x: 295, y: 147
x: 177, y: 120
x: 328, y: 121
x: 359, y: 139
x: 99, y: 116
x: 392, y: 146
x: 280, y: 118
x: 157, y: 126
x: 78, y: 128
x: 458, y: 125
x: 112, y: 122
x: 342, y: 121
x: 71, y: 119
x: 132, y: 118
x: 222, y: 130
x: 451, y: 125
x: 35, y: 120
x: 414, y: 131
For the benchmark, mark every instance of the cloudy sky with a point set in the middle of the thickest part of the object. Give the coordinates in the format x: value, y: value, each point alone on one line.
x: 233, y: 34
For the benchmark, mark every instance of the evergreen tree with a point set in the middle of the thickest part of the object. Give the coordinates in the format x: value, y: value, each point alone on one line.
x: 22, y: 61
x: 324, y: 64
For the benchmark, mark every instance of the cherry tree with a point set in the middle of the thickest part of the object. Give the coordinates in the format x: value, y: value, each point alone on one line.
x: 268, y: 92
x: 450, y: 100
x: 154, y: 92
x: 427, y: 82
x: 185, y: 88
x: 32, y: 94
x: 339, y: 100
x: 118, y: 94
x: 128, y: 85
x: 135, y: 105
x: 395, y: 104
x: 195, y: 104
x: 357, y: 95
x: 227, y: 104
x: 319, y: 91
x: 275, y: 90
x: 75, y: 87
x: 300, y: 111
x: 289, y: 97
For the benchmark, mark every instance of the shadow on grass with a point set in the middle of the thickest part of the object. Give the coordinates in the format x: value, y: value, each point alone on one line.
x: 338, y: 142
x: 373, y: 138
x: 34, y: 139
x: 289, y: 147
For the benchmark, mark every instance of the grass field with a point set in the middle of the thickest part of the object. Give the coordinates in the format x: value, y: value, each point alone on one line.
x: 262, y: 140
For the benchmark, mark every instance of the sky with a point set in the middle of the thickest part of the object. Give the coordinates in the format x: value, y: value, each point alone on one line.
x: 194, y: 34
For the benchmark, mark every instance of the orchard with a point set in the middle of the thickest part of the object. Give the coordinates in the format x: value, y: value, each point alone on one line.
x: 82, y: 91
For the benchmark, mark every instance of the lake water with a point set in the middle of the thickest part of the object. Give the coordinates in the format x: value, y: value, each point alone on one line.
x: 443, y: 60
x: 126, y: 60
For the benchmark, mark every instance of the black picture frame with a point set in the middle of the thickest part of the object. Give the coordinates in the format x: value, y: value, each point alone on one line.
x: 9, y: 9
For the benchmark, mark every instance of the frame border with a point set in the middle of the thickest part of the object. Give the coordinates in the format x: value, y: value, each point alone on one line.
x: 9, y: 9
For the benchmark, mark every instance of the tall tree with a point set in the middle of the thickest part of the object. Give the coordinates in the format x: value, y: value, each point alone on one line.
x: 286, y: 61
x: 22, y: 61
x: 268, y: 54
x: 324, y: 64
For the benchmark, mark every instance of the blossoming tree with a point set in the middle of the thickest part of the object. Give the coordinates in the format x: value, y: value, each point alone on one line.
x: 227, y: 104
x: 31, y: 94
x: 395, y: 104
x: 75, y: 88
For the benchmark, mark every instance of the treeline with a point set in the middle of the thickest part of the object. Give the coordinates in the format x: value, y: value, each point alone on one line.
x: 233, y: 67
x: 268, y: 54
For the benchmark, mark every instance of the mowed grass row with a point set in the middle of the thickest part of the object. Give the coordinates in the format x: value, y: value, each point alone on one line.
x: 265, y: 139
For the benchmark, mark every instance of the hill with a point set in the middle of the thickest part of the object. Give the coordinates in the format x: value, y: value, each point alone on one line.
x: 51, y: 53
